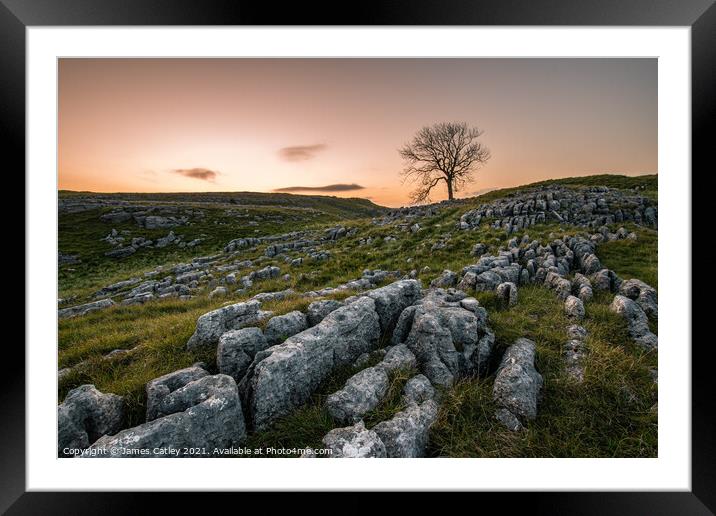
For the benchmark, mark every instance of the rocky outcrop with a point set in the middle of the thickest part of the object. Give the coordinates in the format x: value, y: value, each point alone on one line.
x: 161, y: 387
x: 293, y: 371
x: 75, y: 311
x: 574, y: 351
x: 583, y: 206
x: 281, y: 327
x: 637, y: 321
x: 211, y: 326
x: 574, y: 308
x: 506, y: 294
x: 406, y: 434
x: 418, y: 389
x: 392, y: 299
x: 318, y: 310
x: 362, y: 393
x: 237, y: 350
x: 354, y: 442
x: 205, y: 413
x: 517, y: 384
x: 448, y: 340
x: 644, y: 295
x: 85, y: 416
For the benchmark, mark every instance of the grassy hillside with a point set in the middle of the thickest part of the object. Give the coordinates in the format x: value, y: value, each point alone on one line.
x: 345, y: 207
x: 611, y: 414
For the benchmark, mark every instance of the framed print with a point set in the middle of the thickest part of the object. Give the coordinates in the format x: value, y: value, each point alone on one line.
x: 427, y: 240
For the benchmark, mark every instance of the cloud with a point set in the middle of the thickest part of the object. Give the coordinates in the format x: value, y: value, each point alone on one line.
x: 300, y: 152
x: 197, y: 173
x: 327, y: 188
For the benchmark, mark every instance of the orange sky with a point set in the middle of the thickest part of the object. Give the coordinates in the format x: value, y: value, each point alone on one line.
x: 170, y: 125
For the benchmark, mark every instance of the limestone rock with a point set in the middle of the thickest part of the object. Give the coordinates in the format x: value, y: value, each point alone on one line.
x: 293, y: 371
x: 281, y: 327
x: 86, y: 415
x: 354, y: 442
x: 361, y: 394
x: 237, y: 349
x: 406, y: 434
x: 517, y: 382
x: 205, y: 413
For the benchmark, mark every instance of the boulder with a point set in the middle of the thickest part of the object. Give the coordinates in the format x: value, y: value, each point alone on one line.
x: 160, y: 387
x: 418, y: 389
x: 205, y: 413
x: 85, y: 416
x: 561, y: 286
x: 478, y: 249
x: 281, y: 327
x: 487, y: 281
x: 406, y: 434
x: 517, y: 382
x: 392, y: 299
x: 212, y: 325
x: 355, y: 442
x: 398, y: 357
x: 318, y: 310
x: 121, y: 252
x: 574, y: 307
x: 447, y: 279
x: 508, y: 419
x: 591, y: 264
x: 447, y: 340
x: 506, y: 294
x: 637, y: 321
x: 644, y: 295
x: 237, y: 349
x: 577, y: 332
x: 293, y: 371
x: 218, y: 292
x: 468, y: 281
x: 75, y: 311
x: 362, y: 393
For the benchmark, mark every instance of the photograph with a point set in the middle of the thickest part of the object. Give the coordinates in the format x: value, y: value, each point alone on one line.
x: 357, y: 257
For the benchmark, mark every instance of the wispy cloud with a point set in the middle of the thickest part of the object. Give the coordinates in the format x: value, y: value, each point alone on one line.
x: 203, y: 174
x: 327, y: 188
x: 301, y: 152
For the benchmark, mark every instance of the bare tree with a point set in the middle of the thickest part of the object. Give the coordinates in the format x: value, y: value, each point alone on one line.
x: 448, y: 151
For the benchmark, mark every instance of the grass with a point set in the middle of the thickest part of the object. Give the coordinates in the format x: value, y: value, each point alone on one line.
x: 633, y: 258
x: 609, y: 414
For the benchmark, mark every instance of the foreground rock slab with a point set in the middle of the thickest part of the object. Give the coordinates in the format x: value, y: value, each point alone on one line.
x: 286, y: 378
x: 362, y: 393
x: 161, y: 387
x: 517, y: 382
x: 86, y: 415
x: 205, y: 413
x: 354, y: 442
x: 406, y: 435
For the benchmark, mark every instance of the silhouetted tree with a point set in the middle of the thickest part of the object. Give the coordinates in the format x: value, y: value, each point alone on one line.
x: 448, y: 151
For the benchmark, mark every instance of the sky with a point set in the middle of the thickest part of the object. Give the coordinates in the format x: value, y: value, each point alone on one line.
x: 334, y: 126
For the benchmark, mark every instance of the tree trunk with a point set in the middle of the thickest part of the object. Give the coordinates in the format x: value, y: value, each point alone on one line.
x: 449, y: 187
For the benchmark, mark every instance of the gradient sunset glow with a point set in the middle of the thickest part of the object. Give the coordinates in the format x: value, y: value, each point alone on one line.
x: 333, y: 126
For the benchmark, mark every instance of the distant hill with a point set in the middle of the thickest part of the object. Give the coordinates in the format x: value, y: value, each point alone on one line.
x: 352, y: 207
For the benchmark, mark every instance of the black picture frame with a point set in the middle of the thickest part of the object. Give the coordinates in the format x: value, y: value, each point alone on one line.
x: 700, y: 15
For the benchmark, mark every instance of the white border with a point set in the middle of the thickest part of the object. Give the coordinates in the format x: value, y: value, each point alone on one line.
x: 670, y: 471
